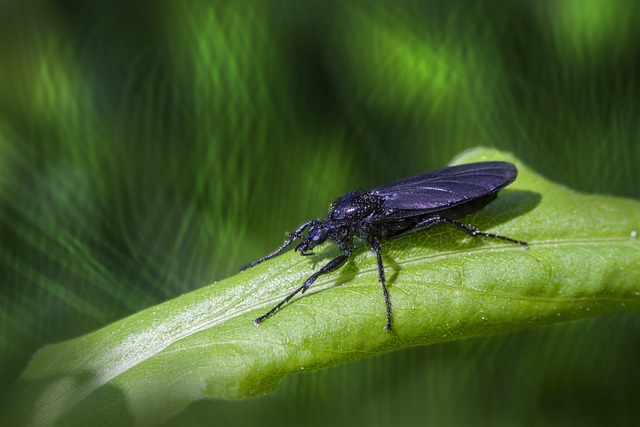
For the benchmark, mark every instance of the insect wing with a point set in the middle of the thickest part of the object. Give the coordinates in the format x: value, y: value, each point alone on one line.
x: 445, y: 188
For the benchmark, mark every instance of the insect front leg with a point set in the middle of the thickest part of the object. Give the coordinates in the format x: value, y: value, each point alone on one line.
x: 475, y: 232
x: 332, y: 265
x: 293, y: 236
x: 375, y: 246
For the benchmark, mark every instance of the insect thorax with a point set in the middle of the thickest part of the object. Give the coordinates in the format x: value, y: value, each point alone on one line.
x: 354, y: 206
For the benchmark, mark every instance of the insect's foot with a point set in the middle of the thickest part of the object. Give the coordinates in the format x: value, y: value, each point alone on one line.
x: 258, y: 321
x: 520, y: 242
x: 387, y: 327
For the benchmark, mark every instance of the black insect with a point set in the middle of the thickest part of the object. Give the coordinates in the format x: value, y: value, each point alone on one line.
x: 398, y: 209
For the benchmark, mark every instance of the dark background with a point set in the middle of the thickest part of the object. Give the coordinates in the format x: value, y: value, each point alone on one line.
x: 150, y: 148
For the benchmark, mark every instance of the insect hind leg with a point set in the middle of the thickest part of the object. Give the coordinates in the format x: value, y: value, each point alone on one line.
x: 422, y: 225
x: 475, y: 232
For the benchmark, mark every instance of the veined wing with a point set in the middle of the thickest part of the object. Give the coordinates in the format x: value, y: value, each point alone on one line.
x: 445, y: 188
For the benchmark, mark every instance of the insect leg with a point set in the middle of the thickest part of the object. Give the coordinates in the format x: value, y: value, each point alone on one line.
x: 332, y: 265
x: 302, y: 227
x: 375, y: 246
x: 293, y: 236
x: 475, y: 232
x: 429, y: 222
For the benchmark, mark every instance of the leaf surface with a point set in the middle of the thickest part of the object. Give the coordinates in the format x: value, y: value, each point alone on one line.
x: 444, y: 285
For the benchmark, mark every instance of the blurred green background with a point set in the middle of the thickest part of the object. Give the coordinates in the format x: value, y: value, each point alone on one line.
x: 150, y: 148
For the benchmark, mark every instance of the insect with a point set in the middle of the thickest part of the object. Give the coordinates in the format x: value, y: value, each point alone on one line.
x: 398, y: 209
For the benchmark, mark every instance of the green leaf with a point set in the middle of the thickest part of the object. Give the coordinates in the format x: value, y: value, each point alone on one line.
x: 444, y: 285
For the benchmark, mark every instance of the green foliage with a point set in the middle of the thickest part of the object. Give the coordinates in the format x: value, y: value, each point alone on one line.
x: 150, y: 148
x: 443, y: 287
